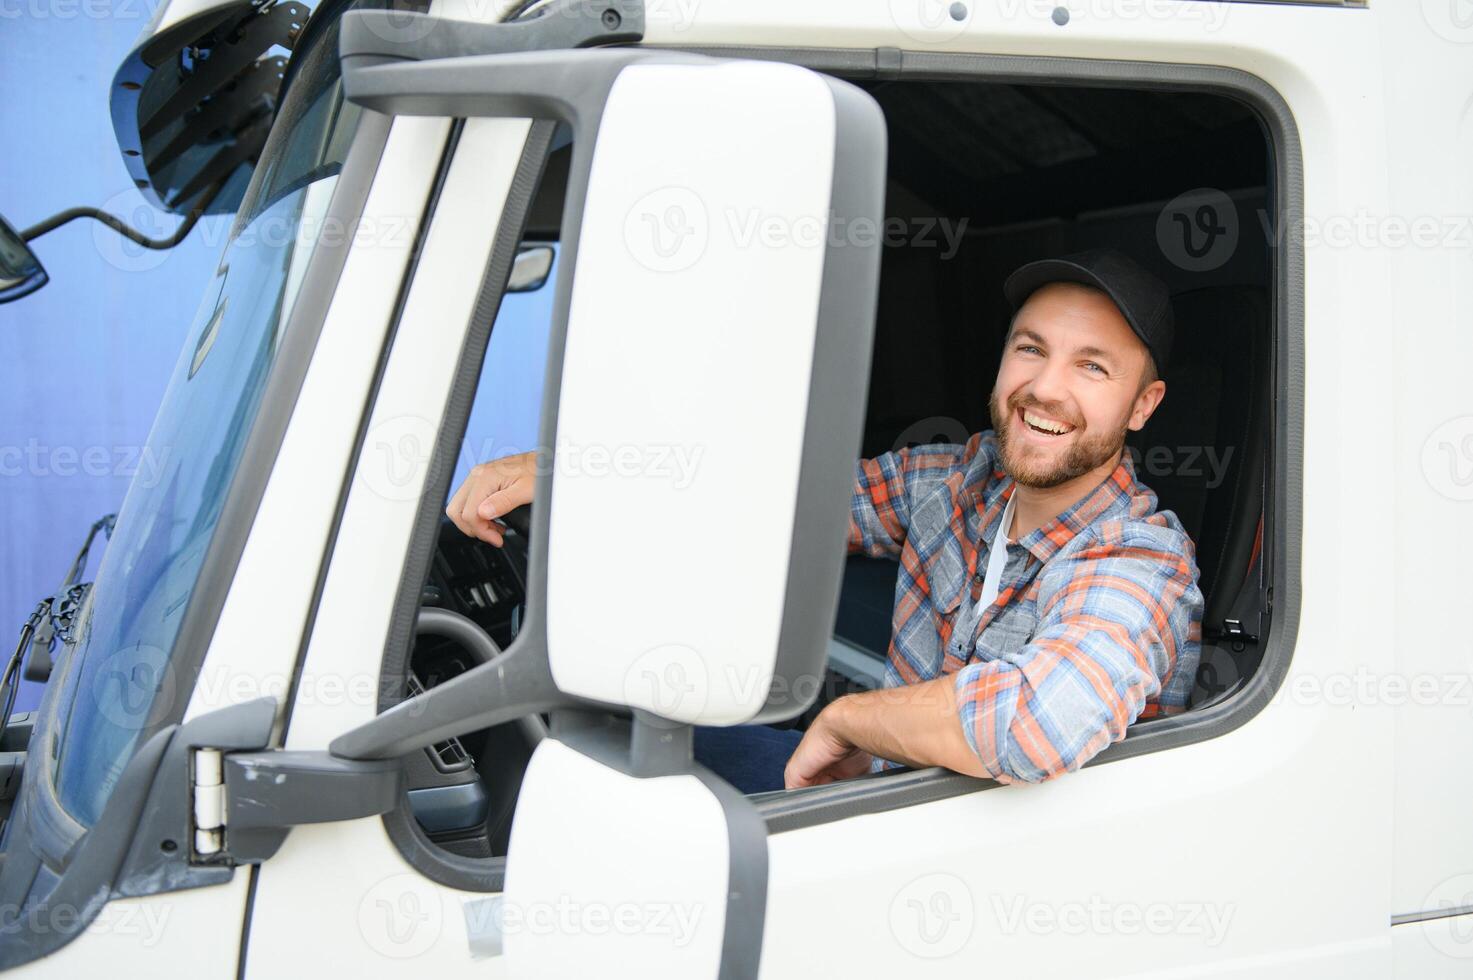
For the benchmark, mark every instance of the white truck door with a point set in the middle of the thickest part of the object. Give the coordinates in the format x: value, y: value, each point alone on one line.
x: 717, y: 287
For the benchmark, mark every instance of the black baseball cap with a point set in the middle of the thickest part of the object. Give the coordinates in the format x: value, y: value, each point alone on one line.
x: 1142, y: 297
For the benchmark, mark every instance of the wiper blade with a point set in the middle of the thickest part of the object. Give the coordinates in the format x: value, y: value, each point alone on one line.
x: 104, y: 524
x: 58, y: 613
x: 10, y: 679
x: 54, y: 617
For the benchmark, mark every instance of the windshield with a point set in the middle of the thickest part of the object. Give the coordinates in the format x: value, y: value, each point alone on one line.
x: 122, y: 683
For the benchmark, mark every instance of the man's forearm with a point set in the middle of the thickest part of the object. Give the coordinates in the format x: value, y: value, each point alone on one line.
x: 914, y: 724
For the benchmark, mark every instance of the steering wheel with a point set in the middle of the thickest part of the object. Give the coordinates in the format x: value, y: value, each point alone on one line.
x: 519, y: 519
x: 470, y: 637
x: 469, y: 613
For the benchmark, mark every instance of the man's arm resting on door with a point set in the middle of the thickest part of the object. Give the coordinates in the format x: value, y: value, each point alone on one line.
x: 915, y: 724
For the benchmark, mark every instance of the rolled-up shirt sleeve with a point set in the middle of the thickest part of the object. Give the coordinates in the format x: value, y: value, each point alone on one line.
x: 887, y: 486
x: 1119, y: 616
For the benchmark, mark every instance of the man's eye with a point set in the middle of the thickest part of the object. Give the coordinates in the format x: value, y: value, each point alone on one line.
x: 1092, y: 366
x: 1027, y: 348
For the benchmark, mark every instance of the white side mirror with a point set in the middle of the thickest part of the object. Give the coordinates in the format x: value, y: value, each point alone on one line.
x: 712, y: 386
x: 706, y: 385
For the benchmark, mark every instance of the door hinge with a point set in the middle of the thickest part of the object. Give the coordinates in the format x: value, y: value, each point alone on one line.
x: 245, y: 802
x: 219, y: 797
x: 208, y: 781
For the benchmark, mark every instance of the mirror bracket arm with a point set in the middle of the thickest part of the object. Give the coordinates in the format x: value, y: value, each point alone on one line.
x: 515, y: 684
x: 392, y: 35
x: 116, y: 224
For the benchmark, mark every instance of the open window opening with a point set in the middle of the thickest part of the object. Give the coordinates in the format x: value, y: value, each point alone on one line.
x: 983, y: 177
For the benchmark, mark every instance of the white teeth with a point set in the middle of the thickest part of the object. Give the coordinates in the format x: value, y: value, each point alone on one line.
x: 1039, y: 422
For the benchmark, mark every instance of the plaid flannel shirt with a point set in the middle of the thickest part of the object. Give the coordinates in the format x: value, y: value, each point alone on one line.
x: 1097, y: 620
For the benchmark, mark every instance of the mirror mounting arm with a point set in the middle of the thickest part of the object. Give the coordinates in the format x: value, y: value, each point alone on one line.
x: 393, y: 35
x: 513, y: 685
x: 116, y: 224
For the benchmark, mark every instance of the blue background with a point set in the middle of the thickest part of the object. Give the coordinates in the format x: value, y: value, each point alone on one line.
x: 85, y: 359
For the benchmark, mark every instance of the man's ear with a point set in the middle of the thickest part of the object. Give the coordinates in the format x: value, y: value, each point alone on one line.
x: 1145, y: 404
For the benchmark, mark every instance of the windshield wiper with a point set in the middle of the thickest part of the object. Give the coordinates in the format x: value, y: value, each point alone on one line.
x: 53, y: 618
x: 10, y: 680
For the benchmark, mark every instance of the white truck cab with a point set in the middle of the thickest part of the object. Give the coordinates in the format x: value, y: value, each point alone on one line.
x: 299, y: 726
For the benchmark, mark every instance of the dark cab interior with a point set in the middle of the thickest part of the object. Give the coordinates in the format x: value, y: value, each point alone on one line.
x: 1041, y: 171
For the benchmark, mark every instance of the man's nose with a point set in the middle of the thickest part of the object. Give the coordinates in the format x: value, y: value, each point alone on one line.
x: 1049, y: 384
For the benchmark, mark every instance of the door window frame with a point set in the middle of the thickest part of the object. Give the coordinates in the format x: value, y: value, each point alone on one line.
x: 793, y: 810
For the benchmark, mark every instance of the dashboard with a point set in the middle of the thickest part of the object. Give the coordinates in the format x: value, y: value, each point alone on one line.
x: 485, y: 583
x: 463, y: 790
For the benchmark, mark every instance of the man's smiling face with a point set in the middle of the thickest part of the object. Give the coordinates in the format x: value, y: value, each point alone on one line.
x: 1074, y: 379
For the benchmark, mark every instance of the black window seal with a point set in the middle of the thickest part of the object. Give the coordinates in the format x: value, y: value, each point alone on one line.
x: 430, y: 859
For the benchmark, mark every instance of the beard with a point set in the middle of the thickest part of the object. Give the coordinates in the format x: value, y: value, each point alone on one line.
x: 1030, y: 468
